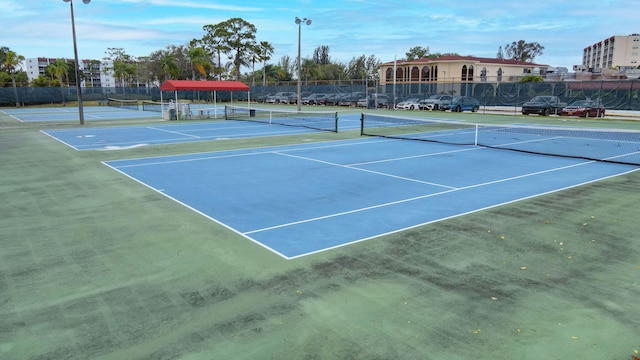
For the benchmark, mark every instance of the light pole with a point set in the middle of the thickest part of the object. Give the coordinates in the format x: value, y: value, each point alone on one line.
x: 75, y: 52
x: 299, y: 22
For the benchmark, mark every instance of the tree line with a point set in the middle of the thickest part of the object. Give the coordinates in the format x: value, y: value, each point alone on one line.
x: 222, y: 53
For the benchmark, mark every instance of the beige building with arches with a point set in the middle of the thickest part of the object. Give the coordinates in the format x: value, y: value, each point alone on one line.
x: 457, y: 69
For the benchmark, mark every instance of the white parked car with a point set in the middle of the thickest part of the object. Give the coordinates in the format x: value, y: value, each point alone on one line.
x: 410, y: 104
x: 435, y: 102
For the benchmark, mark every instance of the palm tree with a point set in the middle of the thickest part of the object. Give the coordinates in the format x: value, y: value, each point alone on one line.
x: 310, y: 69
x: 60, y: 69
x: 169, y: 66
x: 123, y: 72
x: 265, y: 49
x: 11, y: 63
x: 199, y: 61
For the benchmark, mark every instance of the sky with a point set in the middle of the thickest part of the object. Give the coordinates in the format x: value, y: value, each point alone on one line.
x: 386, y: 29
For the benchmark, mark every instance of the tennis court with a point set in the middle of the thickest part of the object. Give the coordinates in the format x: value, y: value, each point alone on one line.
x: 97, y: 265
x: 260, y: 124
x: 123, y: 137
x: 91, y: 113
x: 302, y: 199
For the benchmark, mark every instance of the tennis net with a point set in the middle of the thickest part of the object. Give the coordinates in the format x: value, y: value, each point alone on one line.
x: 608, y: 145
x: 317, y: 120
x: 126, y: 104
x: 148, y: 105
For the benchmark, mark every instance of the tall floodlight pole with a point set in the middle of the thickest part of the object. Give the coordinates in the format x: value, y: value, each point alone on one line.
x: 75, y: 52
x: 299, y: 22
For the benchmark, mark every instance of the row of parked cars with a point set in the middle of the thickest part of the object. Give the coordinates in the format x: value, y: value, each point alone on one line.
x: 441, y: 102
x: 343, y: 99
x: 541, y: 105
x: 547, y: 105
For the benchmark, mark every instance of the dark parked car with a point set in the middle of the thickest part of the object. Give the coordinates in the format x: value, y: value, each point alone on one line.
x: 584, y: 108
x: 462, y: 103
x: 543, y: 105
x: 315, y: 99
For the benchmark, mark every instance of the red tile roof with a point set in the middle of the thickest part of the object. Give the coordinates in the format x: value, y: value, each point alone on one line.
x: 466, y: 58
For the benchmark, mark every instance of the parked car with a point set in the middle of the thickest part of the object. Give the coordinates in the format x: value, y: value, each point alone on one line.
x: 333, y: 99
x: 434, y: 102
x: 374, y: 101
x: 364, y: 102
x: 409, y: 104
x: 584, y: 108
x: 350, y: 99
x: 462, y: 103
x: 271, y: 99
x: 285, y: 97
x: 543, y: 105
x: 315, y: 99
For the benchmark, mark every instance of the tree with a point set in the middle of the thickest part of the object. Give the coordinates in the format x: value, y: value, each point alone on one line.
x: 321, y: 55
x: 417, y: 52
x: 265, y: 49
x: 11, y: 63
x: 41, y: 81
x: 500, y: 54
x: 285, y: 69
x: 169, y: 66
x: 59, y: 70
x: 310, y: 69
x: 334, y: 71
x: 199, y: 62
x: 357, y: 68
x: 239, y: 37
x: 532, y: 78
x: 123, y: 65
x: 523, y: 51
x: 3, y: 57
x: 214, y: 42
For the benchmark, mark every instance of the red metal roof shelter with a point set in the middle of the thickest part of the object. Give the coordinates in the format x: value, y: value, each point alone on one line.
x: 200, y: 85
x: 204, y: 85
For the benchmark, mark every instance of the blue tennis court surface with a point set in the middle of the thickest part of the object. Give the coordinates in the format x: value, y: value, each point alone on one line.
x: 302, y: 199
x: 176, y: 132
x: 71, y: 114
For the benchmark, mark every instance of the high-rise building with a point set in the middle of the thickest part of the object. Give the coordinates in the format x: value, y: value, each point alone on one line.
x: 96, y: 73
x: 618, y: 51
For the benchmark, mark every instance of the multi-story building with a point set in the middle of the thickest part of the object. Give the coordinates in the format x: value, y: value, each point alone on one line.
x: 455, y: 68
x: 615, y: 52
x: 96, y: 73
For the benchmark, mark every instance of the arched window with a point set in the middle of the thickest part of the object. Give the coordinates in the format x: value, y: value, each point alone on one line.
x: 415, y: 74
x: 499, y: 74
x: 464, y: 73
x: 399, y: 74
x: 483, y: 74
x: 425, y: 73
x: 470, y: 73
x: 435, y: 73
x: 389, y: 74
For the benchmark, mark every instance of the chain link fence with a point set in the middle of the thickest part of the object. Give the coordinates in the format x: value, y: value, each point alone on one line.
x: 614, y: 94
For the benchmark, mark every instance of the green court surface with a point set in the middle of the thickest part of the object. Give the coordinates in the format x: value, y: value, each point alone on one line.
x: 94, y: 265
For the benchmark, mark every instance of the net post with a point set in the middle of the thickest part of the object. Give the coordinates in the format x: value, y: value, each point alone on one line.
x: 361, y: 124
x: 336, y: 121
x: 475, y: 142
x: 225, y: 112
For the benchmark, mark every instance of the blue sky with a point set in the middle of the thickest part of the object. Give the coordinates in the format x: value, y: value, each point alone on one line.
x: 386, y: 29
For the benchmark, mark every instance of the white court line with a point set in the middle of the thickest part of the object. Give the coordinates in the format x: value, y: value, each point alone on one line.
x: 365, y: 170
x: 173, y: 132
x: 415, y: 198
